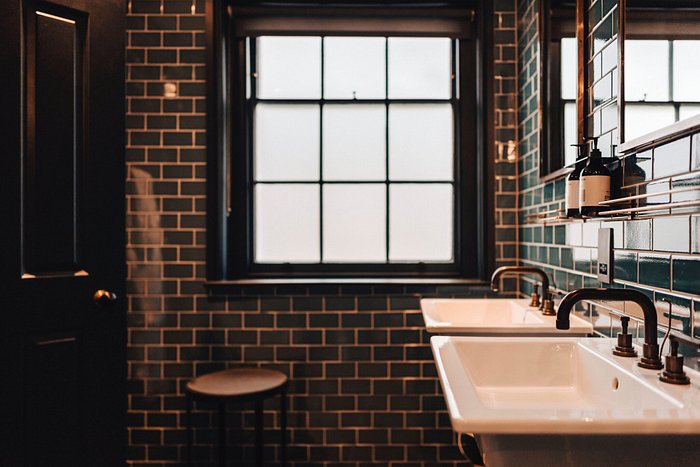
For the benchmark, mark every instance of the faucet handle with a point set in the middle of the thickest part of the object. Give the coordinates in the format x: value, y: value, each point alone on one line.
x: 624, y: 346
x: 625, y: 320
x: 674, y: 373
x: 535, y: 298
x: 674, y: 348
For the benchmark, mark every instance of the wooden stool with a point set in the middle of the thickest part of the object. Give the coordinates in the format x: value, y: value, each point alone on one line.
x: 239, y: 385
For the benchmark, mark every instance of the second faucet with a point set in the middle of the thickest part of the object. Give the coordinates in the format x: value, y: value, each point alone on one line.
x: 547, y: 306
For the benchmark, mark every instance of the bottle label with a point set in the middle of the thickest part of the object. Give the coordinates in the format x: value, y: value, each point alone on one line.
x: 594, y: 189
x: 572, y: 189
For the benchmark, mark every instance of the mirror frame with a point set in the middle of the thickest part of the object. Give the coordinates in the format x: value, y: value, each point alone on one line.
x: 545, y: 103
x: 549, y: 128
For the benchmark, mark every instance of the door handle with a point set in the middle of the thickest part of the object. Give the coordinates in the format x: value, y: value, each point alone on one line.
x: 104, y: 298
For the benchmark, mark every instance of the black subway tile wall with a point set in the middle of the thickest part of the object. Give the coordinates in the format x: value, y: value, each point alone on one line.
x: 657, y: 255
x: 363, y: 384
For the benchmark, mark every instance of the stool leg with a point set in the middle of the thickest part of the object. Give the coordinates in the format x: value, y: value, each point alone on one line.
x: 259, y: 433
x: 222, y: 434
x: 283, y: 427
x: 188, y: 405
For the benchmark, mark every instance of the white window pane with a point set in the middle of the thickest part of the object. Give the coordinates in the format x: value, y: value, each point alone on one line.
x: 289, y: 67
x: 287, y: 142
x: 569, y: 67
x: 686, y: 71
x: 354, y: 68
x: 287, y: 223
x: 688, y: 110
x: 354, y: 223
x: 609, y: 118
x: 420, y: 222
x: 602, y: 90
x: 570, y: 133
x: 641, y: 119
x: 247, y: 68
x: 609, y: 58
x: 354, y: 142
x: 646, y: 70
x: 420, y: 142
x: 420, y: 68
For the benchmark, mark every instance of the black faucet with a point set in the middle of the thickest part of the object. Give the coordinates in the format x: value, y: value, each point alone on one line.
x: 547, y: 306
x: 650, y: 351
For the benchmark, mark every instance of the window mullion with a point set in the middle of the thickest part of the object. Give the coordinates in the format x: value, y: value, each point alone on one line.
x: 386, y: 145
x: 320, y: 153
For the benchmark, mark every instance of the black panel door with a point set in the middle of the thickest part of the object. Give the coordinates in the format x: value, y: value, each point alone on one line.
x: 62, y: 264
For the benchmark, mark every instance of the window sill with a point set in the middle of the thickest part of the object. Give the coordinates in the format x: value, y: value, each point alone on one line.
x: 335, y: 286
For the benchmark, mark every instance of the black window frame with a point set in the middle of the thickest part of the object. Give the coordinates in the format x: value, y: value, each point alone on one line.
x: 229, y: 192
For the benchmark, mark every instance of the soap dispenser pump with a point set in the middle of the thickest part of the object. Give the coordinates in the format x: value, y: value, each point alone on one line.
x: 624, y: 346
x: 595, y: 183
x: 571, y: 204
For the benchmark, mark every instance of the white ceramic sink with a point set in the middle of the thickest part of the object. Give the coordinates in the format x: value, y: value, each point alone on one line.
x: 490, y: 316
x: 565, y: 401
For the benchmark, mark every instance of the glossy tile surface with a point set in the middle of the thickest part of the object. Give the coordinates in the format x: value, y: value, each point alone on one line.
x: 655, y: 270
x: 625, y: 266
x: 638, y: 235
x: 680, y: 309
x: 686, y: 274
x: 672, y: 234
x: 672, y: 158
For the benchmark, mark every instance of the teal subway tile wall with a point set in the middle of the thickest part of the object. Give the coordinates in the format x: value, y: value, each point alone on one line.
x: 658, y: 255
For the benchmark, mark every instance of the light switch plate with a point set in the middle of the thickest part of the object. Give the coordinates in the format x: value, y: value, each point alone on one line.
x: 605, y: 255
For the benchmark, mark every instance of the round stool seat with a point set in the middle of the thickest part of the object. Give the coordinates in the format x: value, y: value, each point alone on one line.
x: 240, y: 385
x: 238, y: 382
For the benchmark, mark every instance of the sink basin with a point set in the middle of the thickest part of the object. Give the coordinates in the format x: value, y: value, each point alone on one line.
x: 565, y: 402
x: 489, y: 316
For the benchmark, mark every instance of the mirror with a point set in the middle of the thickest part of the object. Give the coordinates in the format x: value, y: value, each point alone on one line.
x: 602, y: 21
x: 661, y: 64
x: 558, y: 85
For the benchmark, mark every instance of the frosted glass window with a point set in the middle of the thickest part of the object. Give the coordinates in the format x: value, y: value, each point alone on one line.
x: 354, y: 223
x: 287, y: 142
x: 602, y: 90
x: 287, y: 224
x: 686, y: 71
x: 420, y: 68
x: 569, y: 67
x: 321, y: 151
x: 354, y: 68
x: 570, y: 133
x: 646, y: 70
x: 609, y: 58
x: 420, y: 222
x: 420, y: 142
x: 641, y: 119
x: 289, y: 67
x: 609, y: 118
x: 688, y: 110
x: 354, y: 142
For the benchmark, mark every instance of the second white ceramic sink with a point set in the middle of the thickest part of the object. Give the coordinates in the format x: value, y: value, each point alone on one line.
x: 565, y: 402
x: 491, y: 316
x: 557, y: 385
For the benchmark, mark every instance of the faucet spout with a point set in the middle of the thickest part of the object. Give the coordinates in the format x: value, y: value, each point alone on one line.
x: 650, y: 359
x: 547, y: 306
x: 507, y: 270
